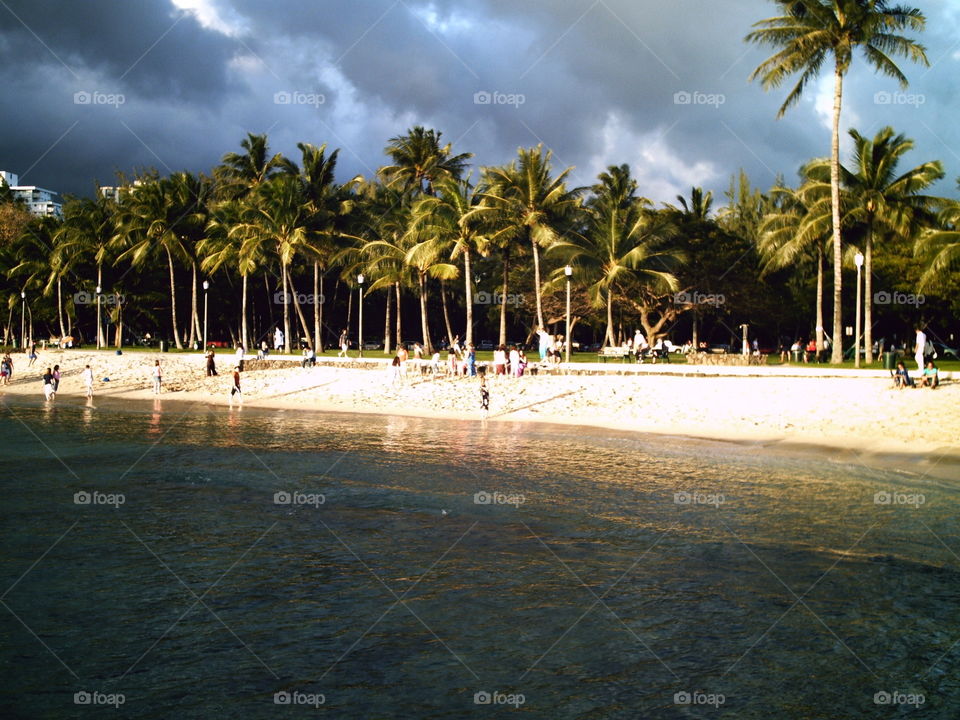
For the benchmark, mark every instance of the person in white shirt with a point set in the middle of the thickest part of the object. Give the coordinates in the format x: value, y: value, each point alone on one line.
x: 87, y: 376
x: 157, y: 377
x: 918, y: 350
x: 278, y: 340
x: 514, y: 361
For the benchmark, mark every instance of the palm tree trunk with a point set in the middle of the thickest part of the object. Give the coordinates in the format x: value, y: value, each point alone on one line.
x: 60, y: 307
x: 286, y: 308
x: 173, y: 302
x: 446, y: 313
x: 194, y: 322
x: 608, y: 336
x: 695, y: 337
x: 386, y: 324
x: 868, y: 295
x: 399, y: 327
x: 316, y: 306
x: 836, y: 355
x: 819, y: 298
x: 425, y: 325
x: 503, y: 299
x: 101, y: 340
x: 244, y: 331
x: 321, y: 301
x: 296, y: 306
x: 536, y: 281
x: 468, y: 338
x: 6, y: 330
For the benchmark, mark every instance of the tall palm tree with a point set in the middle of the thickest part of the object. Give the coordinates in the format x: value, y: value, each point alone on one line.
x: 157, y: 216
x: 85, y: 237
x: 240, y: 173
x: 807, y: 34
x: 524, y: 200
x: 419, y: 161
x: 798, y: 228
x: 446, y: 219
x: 625, y: 242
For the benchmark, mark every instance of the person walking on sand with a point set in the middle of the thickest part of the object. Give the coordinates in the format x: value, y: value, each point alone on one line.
x: 157, y: 377
x: 87, y: 376
x: 921, y: 343
x: 48, y: 391
x: 33, y: 354
x: 344, y: 344
x: 235, y: 390
x: 404, y: 356
x: 56, y: 378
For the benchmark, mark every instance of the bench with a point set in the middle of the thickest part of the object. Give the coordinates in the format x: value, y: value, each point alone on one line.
x: 613, y: 352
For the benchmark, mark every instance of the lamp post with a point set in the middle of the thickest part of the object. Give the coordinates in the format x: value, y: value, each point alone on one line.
x: 23, y: 318
x: 568, y: 271
x: 360, y: 320
x: 858, y: 261
x: 206, y: 286
x: 98, y: 317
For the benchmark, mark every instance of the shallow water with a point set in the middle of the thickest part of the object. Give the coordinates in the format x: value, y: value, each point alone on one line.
x: 612, y: 574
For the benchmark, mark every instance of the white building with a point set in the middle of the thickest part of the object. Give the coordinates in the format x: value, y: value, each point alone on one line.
x: 39, y: 201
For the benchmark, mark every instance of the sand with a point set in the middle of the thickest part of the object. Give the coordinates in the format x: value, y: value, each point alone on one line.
x: 859, y: 413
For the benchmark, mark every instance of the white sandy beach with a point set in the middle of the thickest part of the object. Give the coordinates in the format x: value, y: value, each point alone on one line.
x: 856, y: 413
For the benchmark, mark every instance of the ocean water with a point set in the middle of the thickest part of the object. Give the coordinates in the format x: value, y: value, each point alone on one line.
x: 173, y: 561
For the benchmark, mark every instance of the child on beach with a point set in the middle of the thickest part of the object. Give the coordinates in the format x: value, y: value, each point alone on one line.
x: 484, y: 395
x: 48, y: 391
x: 87, y: 376
x: 235, y: 390
x: 157, y: 377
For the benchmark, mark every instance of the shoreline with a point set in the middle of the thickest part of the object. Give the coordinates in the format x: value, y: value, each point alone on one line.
x: 857, y: 416
x: 860, y: 414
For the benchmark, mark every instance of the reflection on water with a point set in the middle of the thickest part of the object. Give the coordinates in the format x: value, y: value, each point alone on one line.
x: 600, y: 575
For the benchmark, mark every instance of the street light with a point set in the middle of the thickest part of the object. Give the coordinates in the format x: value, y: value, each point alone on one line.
x: 23, y: 318
x: 206, y: 286
x: 360, y: 321
x: 568, y: 271
x: 98, y: 317
x: 858, y: 261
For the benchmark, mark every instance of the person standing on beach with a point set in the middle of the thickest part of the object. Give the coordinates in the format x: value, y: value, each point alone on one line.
x: 87, y: 376
x: 921, y: 343
x: 240, y: 353
x: 404, y: 356
x: 278, y: 340
x: 157, y: 377
x: 48, y: 391
x: 6, y: 370
x: 484, y: 395
x: 545, y: 342
x: 500, y: 360
x: 344, y: 344
x: 235, y: 390
x: 471, y: 360
x: 56, y: 378
x: 33, y: 355
x: 211, y: 363
x: 514, y: 361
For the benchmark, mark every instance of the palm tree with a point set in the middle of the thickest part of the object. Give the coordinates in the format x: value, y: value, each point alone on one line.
x: 806, y: 34
x: 419, y: 161
x: 625, y: 242
x: 799, y: 228
x: 522, y: 200
x: 446, y: 219
x: 240, y: 173
x: 157, y: 215
x: 939, y: 247
x: 884, y: 203
x: 85, y: 236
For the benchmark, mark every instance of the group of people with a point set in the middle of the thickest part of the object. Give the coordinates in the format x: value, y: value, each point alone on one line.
x: 924, y: 354
x: 51, y: 382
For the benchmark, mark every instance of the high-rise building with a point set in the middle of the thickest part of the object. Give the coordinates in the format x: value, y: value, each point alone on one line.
x: 39, y: 201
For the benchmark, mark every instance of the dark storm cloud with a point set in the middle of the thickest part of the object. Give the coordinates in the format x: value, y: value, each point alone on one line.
x: 660, y: 86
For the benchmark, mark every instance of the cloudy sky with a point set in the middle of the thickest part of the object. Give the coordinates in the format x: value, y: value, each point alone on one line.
x: 94, y: 87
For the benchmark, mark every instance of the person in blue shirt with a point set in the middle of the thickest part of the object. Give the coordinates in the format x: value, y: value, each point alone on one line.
x: 901, y: 377
x: 931, y: 376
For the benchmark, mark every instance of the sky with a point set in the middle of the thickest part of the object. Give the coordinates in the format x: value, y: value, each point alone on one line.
x: 97, y: 87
